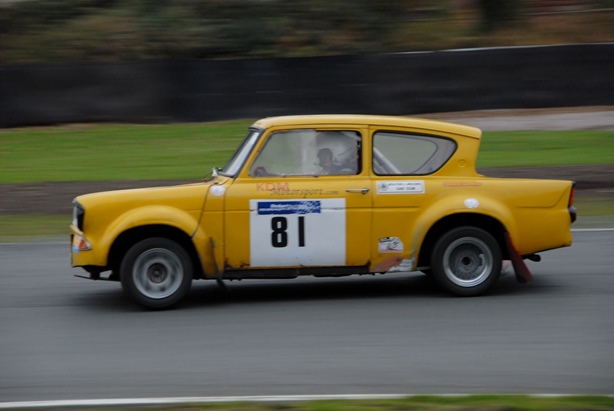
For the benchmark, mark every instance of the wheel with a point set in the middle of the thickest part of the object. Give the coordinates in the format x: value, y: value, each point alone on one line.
x: 466, y: 261
x: 156, y: 273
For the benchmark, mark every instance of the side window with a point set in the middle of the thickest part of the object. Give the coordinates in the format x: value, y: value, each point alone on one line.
x: 309, y: 152
x: 404, y: 154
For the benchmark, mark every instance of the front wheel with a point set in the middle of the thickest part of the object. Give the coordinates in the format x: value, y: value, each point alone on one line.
x: 156, y: 273
x: 466, y: 261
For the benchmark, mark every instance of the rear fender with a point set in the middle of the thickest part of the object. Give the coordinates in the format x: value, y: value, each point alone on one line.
x: 462, y: 205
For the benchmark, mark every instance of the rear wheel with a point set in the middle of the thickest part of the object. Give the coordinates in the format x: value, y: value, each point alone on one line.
x: 156, y: 273
x: 466, y: 261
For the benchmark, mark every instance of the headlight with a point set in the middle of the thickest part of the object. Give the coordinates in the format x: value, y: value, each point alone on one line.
x: 78, y: 214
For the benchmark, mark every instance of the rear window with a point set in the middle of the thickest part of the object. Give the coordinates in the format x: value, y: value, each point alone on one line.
x: 397, y: 153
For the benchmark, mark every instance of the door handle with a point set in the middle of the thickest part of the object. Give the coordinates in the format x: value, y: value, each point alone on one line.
x: 357, y: 190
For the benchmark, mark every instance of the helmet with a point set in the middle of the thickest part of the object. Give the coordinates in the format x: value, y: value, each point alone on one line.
x: 343, y: 145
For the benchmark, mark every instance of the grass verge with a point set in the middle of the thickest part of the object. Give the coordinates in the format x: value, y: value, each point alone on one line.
x: 432, y: 403
x: 188, y: 151
x: 117, y: 152
x: 546, y: 148
x: 22, y: 228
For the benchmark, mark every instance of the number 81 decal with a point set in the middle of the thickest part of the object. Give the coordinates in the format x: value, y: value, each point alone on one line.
x: 297, y: 232
x: 279, y: 236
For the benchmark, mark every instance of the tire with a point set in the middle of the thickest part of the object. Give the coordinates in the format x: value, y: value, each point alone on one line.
x: 156, y: 273
x: 466, y: 261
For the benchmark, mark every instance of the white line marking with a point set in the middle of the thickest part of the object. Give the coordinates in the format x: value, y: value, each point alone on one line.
x: 183, y: 400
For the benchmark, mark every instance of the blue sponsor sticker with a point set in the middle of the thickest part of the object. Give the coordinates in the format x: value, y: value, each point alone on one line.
x: 289, y: 207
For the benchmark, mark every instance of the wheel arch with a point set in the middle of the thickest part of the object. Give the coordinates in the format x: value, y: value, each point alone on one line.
x: 447, y: 223
x: 130, y: 237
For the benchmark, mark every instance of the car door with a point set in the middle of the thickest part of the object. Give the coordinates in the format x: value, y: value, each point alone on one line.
x: 286, y: 210
x: 403, y: 186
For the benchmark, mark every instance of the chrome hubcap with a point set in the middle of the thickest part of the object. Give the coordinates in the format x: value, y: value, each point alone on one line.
x: 468, y: 262
x: 157, y: 273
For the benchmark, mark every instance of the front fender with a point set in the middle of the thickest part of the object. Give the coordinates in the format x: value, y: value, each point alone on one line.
x: 143, y: 216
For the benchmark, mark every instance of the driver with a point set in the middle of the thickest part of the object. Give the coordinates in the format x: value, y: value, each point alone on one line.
x: 337, y: 153
x: 328, y: 166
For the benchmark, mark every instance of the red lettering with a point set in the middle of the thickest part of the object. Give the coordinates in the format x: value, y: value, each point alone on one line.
x: 272, y: 186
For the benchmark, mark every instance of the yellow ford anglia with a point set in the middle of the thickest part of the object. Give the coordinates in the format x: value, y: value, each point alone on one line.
x: 326, y: 195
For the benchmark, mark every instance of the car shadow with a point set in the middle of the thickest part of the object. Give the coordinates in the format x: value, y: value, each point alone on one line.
x: 310, y: 288
x: 206, y: 293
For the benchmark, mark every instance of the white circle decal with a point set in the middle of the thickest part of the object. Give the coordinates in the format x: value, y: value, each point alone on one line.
x: 218, y: 190
x: 472, y: 203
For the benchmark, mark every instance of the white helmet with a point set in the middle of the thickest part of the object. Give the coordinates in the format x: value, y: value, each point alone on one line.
x: 343, y: 145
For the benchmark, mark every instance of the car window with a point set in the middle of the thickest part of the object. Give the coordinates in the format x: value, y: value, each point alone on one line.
x: 236, y: 161
x: 404, y: 154
x: 308, y: 152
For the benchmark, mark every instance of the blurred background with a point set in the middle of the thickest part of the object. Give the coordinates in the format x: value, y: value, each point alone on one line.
x: 112, y: 30
x: 156, y: 61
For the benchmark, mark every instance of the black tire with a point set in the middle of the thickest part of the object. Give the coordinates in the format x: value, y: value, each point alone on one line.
x: 156, y: 273
x: 466, y: 261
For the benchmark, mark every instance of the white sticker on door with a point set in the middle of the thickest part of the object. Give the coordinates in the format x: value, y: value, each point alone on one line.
x: 400, y: 187
x: 390, y: 245
x: 297, y: 232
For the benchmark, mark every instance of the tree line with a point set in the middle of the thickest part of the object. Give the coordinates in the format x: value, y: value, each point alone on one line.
x: 102, y: 30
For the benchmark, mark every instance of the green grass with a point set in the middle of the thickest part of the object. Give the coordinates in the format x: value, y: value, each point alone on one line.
x: 546, y: 148
x: 189, y: 151
x: 31, y: 227
x: 116, y: 152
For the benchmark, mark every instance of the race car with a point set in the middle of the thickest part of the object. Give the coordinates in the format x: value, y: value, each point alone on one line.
x: 326, y: 195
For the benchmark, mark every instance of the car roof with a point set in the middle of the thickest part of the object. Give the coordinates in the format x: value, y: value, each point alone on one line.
x: 422, y: 124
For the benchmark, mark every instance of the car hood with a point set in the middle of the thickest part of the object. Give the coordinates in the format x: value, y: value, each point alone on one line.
x: 188, y: 197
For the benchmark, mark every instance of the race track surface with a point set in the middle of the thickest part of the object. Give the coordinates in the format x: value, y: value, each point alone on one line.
x: 68, y: 338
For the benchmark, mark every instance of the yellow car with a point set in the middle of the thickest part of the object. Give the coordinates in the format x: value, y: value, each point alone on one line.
x: 326, y: 195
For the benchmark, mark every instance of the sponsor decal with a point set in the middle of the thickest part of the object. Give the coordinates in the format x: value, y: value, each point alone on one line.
x: 400, y: 187
x: 284, y: 189
x: 390, y: 245
x: 289, y: 207
x: 472, y: 203
x: 272, y: 187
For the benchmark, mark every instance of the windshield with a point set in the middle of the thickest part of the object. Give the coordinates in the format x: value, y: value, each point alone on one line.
x: 236, y: 161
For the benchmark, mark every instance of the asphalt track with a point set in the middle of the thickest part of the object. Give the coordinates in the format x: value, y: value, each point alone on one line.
x: 65, y: 338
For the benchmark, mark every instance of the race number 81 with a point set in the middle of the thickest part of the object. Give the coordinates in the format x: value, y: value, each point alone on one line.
x: 297, y: 232
x: 279, y: 234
